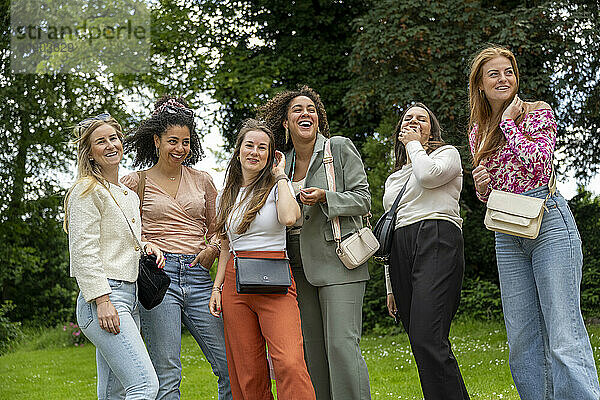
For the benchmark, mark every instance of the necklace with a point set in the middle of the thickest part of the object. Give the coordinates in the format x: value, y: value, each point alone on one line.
x: 172, y: 178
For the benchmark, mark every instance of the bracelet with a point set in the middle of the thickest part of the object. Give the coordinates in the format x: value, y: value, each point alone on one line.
x: 217, y: 289
x: 216, y: 246
x: 281, y: 176
x: 102, y: 302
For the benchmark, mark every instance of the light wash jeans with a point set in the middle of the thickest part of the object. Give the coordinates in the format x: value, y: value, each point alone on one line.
x: 124, y: 367
x: 550, y: 355
x: 186, y: 300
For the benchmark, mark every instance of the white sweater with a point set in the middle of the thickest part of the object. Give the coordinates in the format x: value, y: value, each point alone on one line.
x: 434, y: 185
x: 101, y: 245
x: 433, y: 189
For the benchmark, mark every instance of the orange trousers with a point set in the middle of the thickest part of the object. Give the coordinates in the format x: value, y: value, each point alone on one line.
x: 253, y: 320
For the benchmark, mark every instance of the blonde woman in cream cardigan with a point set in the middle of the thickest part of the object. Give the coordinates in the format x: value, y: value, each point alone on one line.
x: 104, y: 260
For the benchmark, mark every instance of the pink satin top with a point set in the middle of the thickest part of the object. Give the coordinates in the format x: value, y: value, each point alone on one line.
x: 182, y: 224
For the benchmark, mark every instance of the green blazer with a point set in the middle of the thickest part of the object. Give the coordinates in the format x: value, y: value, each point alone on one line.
x: 350, y: 202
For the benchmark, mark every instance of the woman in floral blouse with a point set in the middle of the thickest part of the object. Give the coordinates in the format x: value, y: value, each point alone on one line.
x: 512, y: 143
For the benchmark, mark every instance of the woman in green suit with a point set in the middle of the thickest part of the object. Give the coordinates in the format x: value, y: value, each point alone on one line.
x: 330, y: 296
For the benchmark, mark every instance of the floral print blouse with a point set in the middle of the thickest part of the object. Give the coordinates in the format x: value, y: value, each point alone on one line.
x: 525, y: 161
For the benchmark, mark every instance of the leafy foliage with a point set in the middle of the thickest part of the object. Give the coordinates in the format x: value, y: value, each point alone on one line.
x: 241, y: 52
x: 586, y: 210
x: 280, y: 45
x: 9, y: 331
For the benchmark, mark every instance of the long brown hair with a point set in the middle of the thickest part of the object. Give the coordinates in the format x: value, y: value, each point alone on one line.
x: 435, y: 140
x: 257, y: 191
x: 87, y: 169
x: 489, y: 137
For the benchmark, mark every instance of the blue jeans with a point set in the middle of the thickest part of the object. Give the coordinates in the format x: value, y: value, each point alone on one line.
x: 550, y: 355
x: 186, y: 300
x: 124, y: 367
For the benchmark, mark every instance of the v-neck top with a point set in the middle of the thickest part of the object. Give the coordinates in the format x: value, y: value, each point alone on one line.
x: 181, y: 224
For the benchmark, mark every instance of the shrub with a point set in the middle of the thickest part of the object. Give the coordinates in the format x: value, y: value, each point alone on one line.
x: 480, y: 299
x: 76, y: 337
x: 9, y: 331
x: 586, y: 209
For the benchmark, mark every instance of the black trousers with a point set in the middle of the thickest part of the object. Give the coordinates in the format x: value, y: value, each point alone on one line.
x: 426, y: 269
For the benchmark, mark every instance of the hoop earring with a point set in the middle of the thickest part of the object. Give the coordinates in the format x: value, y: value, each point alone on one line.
x: 287, y: 135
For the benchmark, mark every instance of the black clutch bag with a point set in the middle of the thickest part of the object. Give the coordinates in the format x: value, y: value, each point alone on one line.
x: 152, y: 281
x: 384, y: 229
x: 262, y: 275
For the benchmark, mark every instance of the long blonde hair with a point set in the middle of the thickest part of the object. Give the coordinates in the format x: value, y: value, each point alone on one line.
x: 87, y: 169
x: 258, y: 191
x: 489, y: 137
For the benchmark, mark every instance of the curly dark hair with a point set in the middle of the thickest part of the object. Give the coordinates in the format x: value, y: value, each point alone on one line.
x: 435, y: 137
x: 275, y: 111
x: 142, y: 139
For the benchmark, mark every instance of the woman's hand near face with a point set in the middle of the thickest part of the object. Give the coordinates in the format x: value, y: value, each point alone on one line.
x: 279, y: 167
x: 481, y: 177
x: 108, y: 317
x: 312, y: 195
x: 408, y: 134
x: 514, y: 109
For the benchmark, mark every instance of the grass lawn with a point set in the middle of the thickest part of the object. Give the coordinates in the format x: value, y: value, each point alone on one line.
x: 46, y: 367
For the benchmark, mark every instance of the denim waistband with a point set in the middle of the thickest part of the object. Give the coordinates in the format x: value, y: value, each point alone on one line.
x: 540, y: 192
x: 176, y: 256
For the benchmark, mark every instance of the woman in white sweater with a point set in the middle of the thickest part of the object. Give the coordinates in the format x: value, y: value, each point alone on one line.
x: 104, y: 259
x: 426, y: 264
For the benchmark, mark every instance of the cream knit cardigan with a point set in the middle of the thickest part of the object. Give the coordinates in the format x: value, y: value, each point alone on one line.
x: 101, y: 245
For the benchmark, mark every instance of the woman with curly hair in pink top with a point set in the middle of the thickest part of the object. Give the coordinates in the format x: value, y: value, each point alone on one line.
x: 512, y: 143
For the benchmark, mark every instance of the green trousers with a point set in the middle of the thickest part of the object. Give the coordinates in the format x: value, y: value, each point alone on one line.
x: 331, y: 318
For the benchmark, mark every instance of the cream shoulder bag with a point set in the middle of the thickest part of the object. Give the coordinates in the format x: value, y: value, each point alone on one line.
x: 516, y: 214
x: 361, y: 245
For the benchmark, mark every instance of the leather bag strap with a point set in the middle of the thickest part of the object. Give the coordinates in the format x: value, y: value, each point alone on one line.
x: 141, y: 186
x: 330, y: 172
x: 127, y: 220
x: 399, y: 197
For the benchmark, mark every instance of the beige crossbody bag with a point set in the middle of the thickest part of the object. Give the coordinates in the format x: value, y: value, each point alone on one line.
x: 517, y: 214
x: 361, y: 245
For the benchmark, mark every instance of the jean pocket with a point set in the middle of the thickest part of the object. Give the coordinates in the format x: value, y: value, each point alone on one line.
x: 114, y: 283
x: 84, y: 313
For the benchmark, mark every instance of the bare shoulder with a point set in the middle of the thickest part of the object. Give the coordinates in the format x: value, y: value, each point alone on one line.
x: 537, y: 106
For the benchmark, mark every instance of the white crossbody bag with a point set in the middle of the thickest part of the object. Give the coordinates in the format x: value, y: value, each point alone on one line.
x: 517, y: 214
x: 361, y: 245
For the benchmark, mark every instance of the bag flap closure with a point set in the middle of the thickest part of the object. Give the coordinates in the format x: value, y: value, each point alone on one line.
x: 514, y: 204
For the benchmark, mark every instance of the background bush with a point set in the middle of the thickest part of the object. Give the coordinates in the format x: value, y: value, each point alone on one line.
x: 9, y: 331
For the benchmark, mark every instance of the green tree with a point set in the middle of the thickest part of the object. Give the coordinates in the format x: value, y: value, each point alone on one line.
x: 279, y: 45
x: 405, y: 52
x: 36, y: 117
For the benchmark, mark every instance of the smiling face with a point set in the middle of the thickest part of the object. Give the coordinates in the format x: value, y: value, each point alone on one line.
x: 174, y: 145
x: 498, y: 80
x: 254, y: 153
x: 418, y: 118
x: 302, y: 119
x: 106, y: 148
